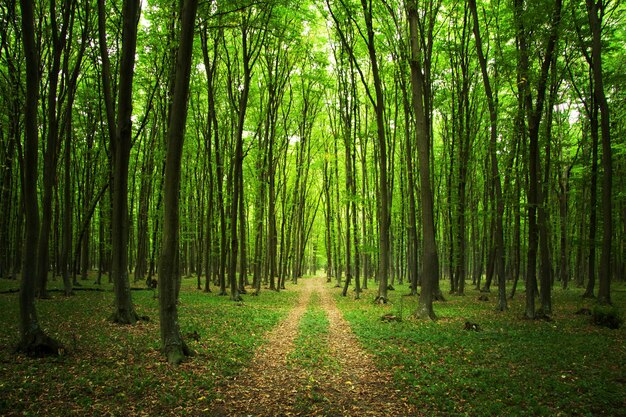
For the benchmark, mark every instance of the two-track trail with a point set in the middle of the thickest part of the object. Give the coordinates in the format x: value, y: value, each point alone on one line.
x: 351, y: 386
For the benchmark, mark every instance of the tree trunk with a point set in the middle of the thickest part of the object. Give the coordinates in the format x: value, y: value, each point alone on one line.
x: 172, y: 344
x: 86, y: 239
x: 33, y: 340
x: 51, y: 150
x: 534, y: 114
x: 328, y: 218
x: 544, y: 219
x: 430, y: 264
x: 124, y: 309
x: 238, y: 164
x: 593, y: 9
x: 495, y: 172
x: 145, y: 191
x: 243, y: 261
x: 212, y: 129
x: 384, y: 192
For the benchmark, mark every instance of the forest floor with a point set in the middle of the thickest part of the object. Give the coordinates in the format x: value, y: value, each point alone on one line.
x: 345, y: 383
x: 308, y: 351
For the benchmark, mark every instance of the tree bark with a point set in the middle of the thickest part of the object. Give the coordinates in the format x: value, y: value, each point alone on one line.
x: 51, y: 151
x: 430, y: 264
x: 594, y: 8
x: 33, y: 340
x: 495, y: 172
x: 172, y: 344
x: 534, y: 114
x: 124, y: 309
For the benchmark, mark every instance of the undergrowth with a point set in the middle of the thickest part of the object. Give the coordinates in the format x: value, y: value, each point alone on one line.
x: 118, y: 370
x: 513, y: 366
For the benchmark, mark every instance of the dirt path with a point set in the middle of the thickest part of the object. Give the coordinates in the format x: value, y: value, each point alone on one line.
x: 353, y: 386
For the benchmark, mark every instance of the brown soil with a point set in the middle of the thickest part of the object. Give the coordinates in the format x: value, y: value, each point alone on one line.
x: 351, y: 386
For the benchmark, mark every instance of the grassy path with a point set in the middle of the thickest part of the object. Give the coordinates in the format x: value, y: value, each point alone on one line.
x: 311, y: 365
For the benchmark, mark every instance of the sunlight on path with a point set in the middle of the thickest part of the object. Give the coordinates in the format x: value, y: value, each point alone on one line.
x: 351, y: 386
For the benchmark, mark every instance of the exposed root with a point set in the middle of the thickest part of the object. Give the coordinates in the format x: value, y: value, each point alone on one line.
x: 380, y: 300
x: 124, y: 317
x: 38, y: 345
x: 425, y: 313
x: 438, y: 296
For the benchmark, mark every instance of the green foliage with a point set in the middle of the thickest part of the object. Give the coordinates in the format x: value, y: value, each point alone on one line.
x: 512, y: 367
x: 608, y: 316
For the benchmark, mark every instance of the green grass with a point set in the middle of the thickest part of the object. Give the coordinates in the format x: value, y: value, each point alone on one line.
x: 567, y: 367
x: 309, y: 355
x: 512, y: 367
x: 311, y: 344
x: 118, y: 370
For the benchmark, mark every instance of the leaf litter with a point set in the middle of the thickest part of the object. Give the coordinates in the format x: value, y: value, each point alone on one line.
x: 349, y: 385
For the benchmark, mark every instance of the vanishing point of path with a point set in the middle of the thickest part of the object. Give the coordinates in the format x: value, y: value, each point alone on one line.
x: 351, y: 386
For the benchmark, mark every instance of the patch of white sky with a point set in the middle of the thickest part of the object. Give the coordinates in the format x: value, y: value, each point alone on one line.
x: 143, y: 22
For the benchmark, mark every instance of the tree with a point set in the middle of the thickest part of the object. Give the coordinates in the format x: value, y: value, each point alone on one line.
x: 33, y: 340
x: 51, y: 149
x: 377, y: 101
x: 534, y: 112
x: 250, y: 46
x: 120, y: 134
x: 595, y: 23
x: 495, y: 172
x: 172, y: 344
x: 430, y: 263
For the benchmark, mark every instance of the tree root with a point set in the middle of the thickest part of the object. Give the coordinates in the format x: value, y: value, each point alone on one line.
x: 423, y: 313
x: 125, y: 317
x: 176, y: 354
x: 380, y: 300
x: 38, y: 345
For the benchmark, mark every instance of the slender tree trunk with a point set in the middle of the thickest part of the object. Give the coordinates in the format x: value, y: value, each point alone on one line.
x: 271, y: 212
x: 495, y: 172
x: 544, y: 219
x: 243, y: 261
x: 172, y: 344
x: 412, y: 242
x: 563, y: 206
x: 124, y: 309
x: 430, y: 264
x: 68, y: 130
x: 145, y: 191
x: 594, y: 10
x: 86, y: 240
x: 384, y: 192
x: 534, y: 118
x: 328, y: 217
x: 238, y: 166
x: 67, y: 211
x: 33, y: 340
x: 52, y: 148
x: 212, y: 129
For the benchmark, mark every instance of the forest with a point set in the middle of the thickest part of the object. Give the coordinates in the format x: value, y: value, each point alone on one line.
x: 438, y: 148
